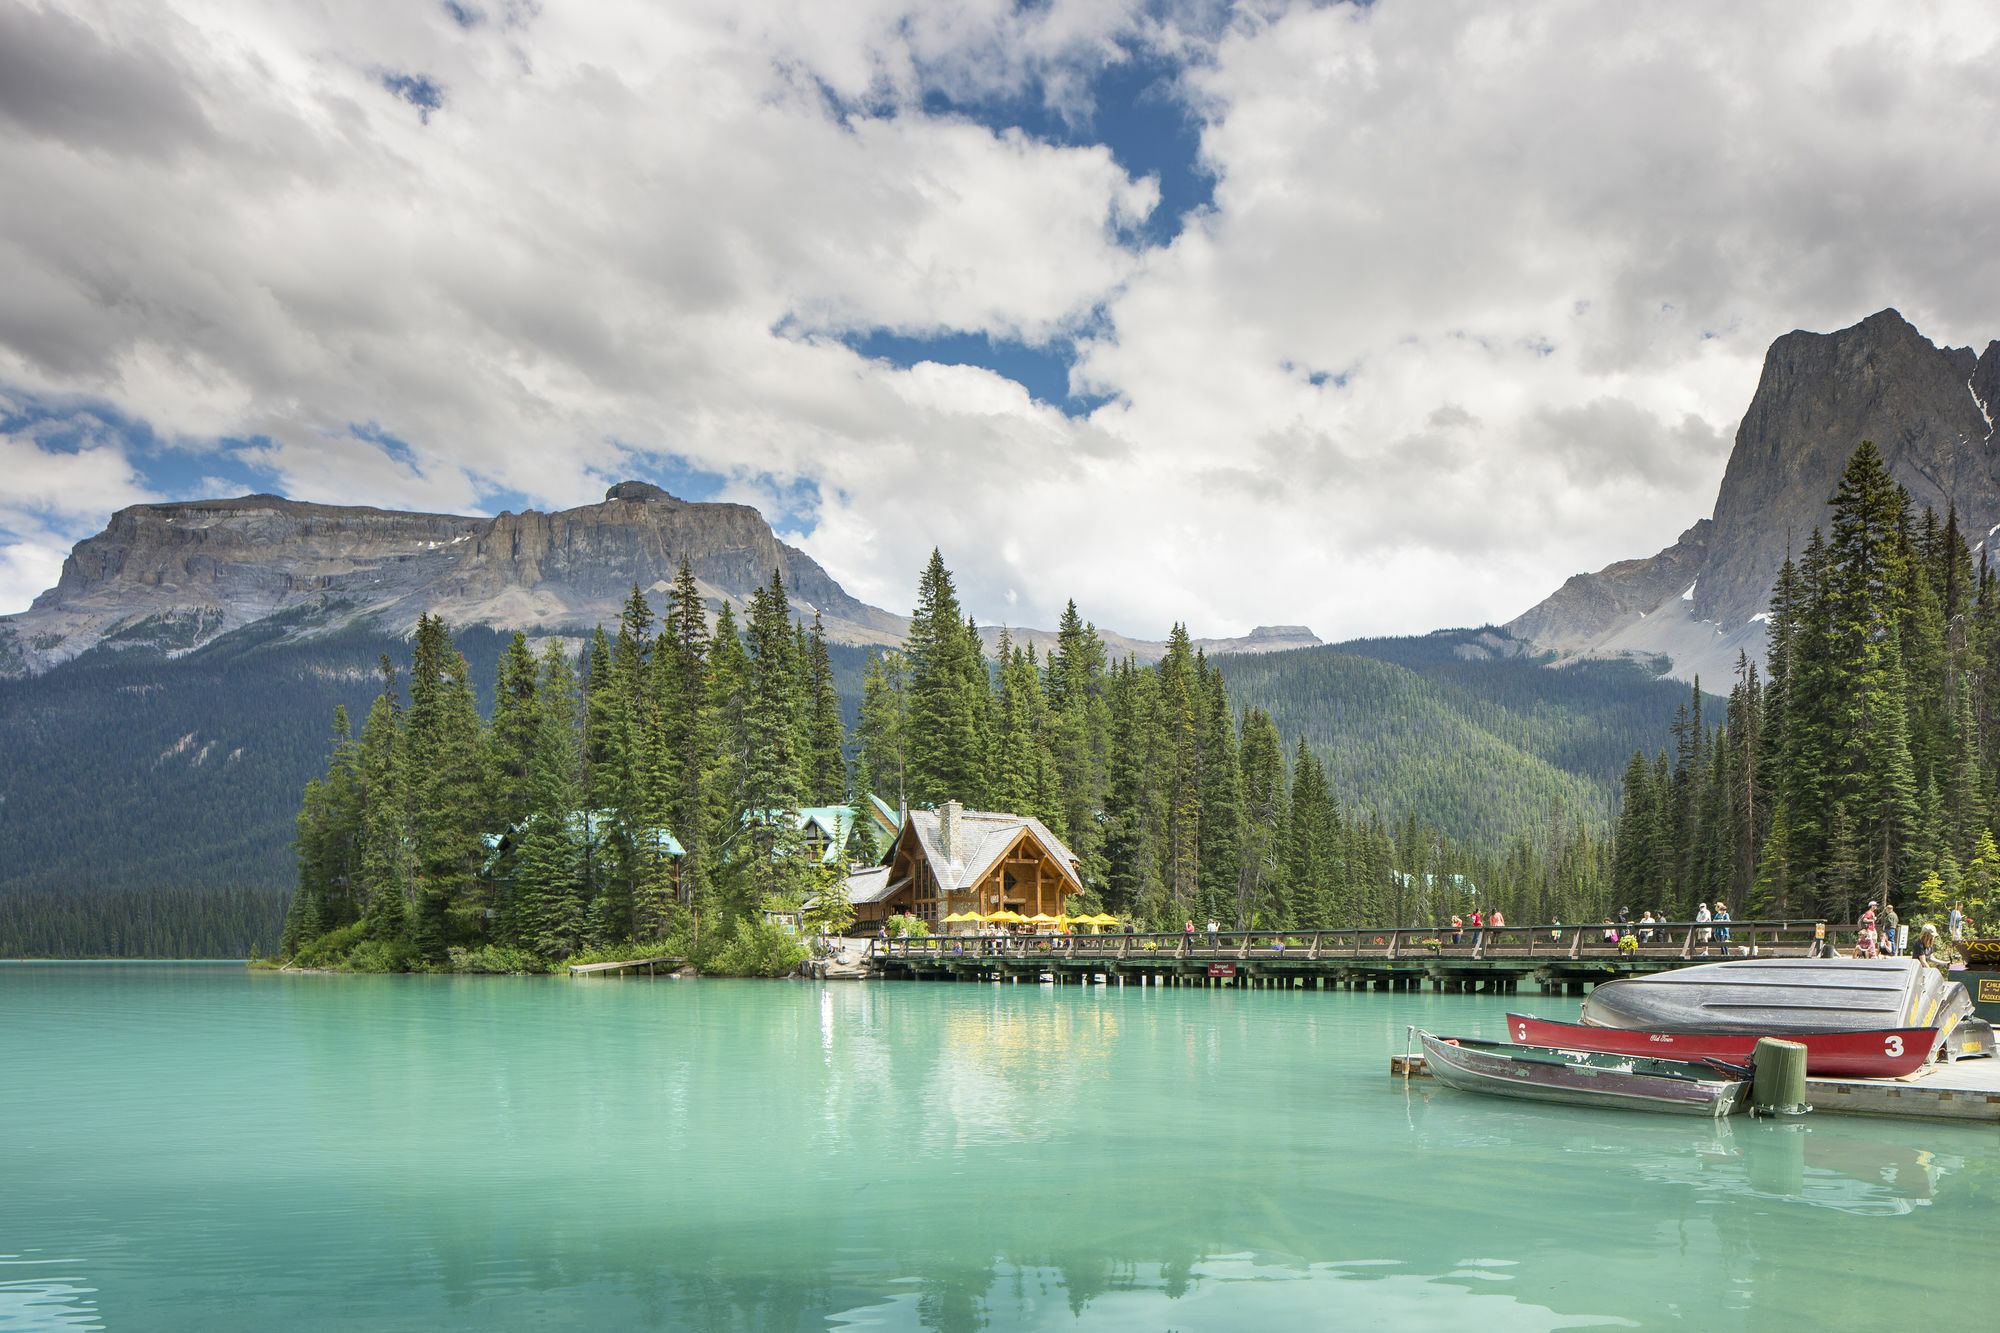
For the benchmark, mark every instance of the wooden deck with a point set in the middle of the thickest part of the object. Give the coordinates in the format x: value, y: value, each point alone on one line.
x: 592, y: 969
x: 1967, y: 1090
x: 1556, y: 958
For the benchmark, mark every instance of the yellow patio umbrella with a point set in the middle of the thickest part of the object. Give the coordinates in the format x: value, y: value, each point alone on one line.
x: 1044, y: 919
x: 1005, y: 914
x: 965, y: 916
x: 1102, y: 919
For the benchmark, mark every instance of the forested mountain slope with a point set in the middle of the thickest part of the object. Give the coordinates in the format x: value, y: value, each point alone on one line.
x: 131, y: 770
x: 1461, y: 728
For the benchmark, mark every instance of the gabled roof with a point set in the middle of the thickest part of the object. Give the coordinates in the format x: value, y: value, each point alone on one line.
x: 835, y: 822
x: 870, y: 884
x: 983, y: 838
x: 885, y: 815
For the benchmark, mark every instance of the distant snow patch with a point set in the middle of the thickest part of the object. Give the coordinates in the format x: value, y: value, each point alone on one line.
x: 1688, y: 596
x: 1764, y: 616
x: 1981, y: 406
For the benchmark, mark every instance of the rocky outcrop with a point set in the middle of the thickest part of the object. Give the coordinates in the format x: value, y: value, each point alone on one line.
x: 173, y: 576
x: 1820, y: 396
x: 1698, y: 603
x: 1590, y: 606
x: 1263, y: 639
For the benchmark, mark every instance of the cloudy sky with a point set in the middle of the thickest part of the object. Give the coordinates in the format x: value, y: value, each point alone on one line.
x: 1374, y: 318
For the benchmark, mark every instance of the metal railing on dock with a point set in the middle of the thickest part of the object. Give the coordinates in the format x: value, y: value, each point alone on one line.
x: 1664, y: 941
x: 1494, y: 959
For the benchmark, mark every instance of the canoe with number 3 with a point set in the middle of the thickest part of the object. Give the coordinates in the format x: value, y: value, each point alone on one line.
x: 1875, y: 1053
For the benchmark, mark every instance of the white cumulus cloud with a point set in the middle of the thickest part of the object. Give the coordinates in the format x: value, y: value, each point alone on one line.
x: 1478, y: 300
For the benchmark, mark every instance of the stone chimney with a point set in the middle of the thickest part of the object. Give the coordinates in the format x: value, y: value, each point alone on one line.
x: 948, y: 815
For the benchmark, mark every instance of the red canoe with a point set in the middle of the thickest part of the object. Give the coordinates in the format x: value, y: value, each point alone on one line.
x: 1876, y: 1053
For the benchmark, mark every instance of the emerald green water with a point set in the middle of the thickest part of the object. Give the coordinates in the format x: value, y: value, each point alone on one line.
x: 201, y: 1147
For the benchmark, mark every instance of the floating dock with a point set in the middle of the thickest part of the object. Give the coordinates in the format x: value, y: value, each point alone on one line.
x: 1967, y: 1090
x: 631, y: 964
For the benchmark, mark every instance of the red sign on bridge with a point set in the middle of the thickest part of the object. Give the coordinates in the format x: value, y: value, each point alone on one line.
x: 1222, y: 969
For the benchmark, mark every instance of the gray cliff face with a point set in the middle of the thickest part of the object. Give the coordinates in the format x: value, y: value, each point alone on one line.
x: 1588, y: 606
x: 1927, y: 408
x: 1821, y: 395
x: 174, y: 576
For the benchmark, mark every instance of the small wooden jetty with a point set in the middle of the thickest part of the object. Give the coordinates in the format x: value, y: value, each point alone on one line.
x: 593, y: 969
x: 1560, y: 959
x: 1967, y: 1090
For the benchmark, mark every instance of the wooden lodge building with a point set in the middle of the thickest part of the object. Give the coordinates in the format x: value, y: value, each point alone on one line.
x: 953, y: 860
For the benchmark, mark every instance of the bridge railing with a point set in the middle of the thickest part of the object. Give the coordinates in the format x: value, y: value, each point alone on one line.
x: 1552, y: 942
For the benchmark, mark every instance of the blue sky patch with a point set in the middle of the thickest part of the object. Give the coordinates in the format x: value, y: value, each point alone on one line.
x: 419, y: 90
x: 1137, y: 112
x: 1042, y: 370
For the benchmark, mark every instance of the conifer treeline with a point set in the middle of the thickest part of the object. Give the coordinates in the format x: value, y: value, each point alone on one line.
x: 1862, y: 765
x: 544, y: 828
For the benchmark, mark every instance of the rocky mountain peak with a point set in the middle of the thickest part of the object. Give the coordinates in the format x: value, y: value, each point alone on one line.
x: 1820, y: 396
x: 644, y: 492
x: 1929, y: 409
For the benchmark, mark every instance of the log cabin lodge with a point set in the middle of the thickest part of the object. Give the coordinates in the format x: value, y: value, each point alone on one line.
x: 951, y: 860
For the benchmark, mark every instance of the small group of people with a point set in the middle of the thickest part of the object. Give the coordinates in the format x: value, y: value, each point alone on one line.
x: 1481, y: 923
x: 1711, y: 921
x: 1880, y: 935
x: 1712, y: 925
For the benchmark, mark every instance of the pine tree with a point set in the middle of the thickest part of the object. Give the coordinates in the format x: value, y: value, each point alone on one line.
x: 681, y: 755
x: 945, y: 752
x: 386, y: 869
x: 447, y: 781
x: 1260, y: 881
x: 826, y: 777
x: 549, y: 875
x: 1221, y: 797
x: 510, y: 742
x: 880, y: 768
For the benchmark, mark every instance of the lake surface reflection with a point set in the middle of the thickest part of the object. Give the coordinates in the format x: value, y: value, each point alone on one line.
x: 201, y: 1147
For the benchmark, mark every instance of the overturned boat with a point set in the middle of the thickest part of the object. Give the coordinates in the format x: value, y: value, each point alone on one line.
x: 1586, y: 1078
x: 1872, y: 1053
x: 1838, y: 1007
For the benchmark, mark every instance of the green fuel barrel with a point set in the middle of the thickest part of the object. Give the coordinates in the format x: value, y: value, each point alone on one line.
x: 1778, y: 1087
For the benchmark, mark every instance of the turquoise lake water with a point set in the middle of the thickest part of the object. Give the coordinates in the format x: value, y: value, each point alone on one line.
x: 200, y: 1147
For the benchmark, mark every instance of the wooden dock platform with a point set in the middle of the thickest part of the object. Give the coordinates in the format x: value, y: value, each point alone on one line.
x: 1967, y: 1090
x: 1559, y: 959
x: 590, y: 969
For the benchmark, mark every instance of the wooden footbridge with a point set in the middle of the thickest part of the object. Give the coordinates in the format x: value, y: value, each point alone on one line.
x: 1558, y: 958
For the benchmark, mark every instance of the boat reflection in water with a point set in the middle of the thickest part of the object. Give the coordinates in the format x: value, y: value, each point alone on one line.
x: 1811, y: 1164
x: 1821, y: 1163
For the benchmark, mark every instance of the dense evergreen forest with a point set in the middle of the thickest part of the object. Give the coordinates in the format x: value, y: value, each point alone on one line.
x: 151, y: 923
x: 549, y: 830
x: 1861, y: 767
x: 1417, y: 726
